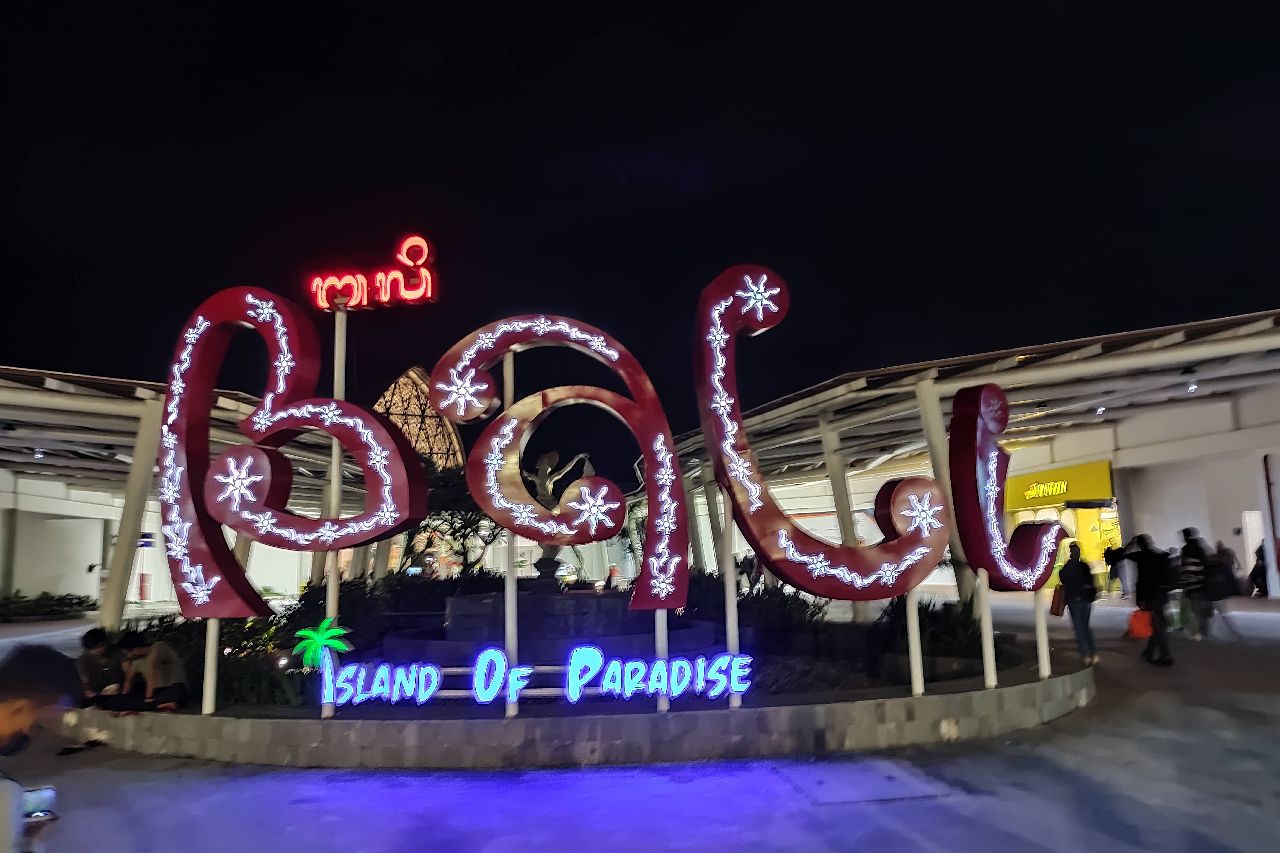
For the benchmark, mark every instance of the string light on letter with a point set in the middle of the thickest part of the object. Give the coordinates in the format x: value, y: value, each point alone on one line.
x: 751, y: 299
x: 979, y: 414
x: 248, y: 490
x: 591, y: 508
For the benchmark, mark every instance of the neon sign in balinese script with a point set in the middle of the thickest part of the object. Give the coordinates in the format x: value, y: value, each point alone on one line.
x: 493, y: 676
x: 1046, y: 490
x: 416, y: 283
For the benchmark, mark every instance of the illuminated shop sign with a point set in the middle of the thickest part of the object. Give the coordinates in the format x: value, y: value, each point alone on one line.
x: 1049, y: 489
x: 393, y: 286
x: 493, y: 677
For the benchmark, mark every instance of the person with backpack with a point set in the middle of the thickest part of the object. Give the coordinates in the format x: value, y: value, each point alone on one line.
x: 1155, y: 577
x: 1079, y: 593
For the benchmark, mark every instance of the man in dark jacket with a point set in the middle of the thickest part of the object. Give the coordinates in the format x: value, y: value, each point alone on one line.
x: 1155, y: 577
x: 1080, y: 593
x: 1195, y: 573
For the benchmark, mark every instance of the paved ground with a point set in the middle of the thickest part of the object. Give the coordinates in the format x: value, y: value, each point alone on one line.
x: 1185, y: 759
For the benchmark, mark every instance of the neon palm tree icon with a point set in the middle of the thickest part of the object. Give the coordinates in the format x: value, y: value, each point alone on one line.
x: 318, y: 646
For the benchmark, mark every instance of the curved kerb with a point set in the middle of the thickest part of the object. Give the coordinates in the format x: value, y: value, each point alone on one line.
x: 804, y: 730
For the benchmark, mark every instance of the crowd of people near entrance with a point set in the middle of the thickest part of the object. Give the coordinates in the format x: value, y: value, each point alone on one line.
x: 1185, y: 587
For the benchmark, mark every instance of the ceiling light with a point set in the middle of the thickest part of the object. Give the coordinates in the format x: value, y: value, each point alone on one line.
x: 1101, y: 409
x: 1191, y: 389
x: 39, y: 453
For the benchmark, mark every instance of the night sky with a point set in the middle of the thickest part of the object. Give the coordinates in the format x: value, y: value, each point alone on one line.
x: 930, y: 183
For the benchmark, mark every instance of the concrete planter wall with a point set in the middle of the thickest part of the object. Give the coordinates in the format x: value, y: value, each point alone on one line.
x: 616, y: 739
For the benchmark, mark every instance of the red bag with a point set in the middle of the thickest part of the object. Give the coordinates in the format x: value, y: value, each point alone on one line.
x: 1059, y: 604
x: 1140, y: 624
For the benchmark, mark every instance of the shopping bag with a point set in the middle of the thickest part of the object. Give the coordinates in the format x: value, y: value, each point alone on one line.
x: 1140, y: 624
x: 1059, y: 604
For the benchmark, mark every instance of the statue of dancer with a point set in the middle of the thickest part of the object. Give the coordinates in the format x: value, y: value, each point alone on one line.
x: 544, y: 481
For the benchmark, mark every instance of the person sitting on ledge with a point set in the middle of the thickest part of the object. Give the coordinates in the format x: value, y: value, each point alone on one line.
x: 100, y: 671
x: 155, y: 678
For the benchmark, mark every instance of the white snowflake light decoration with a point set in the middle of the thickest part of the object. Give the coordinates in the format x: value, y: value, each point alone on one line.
x: 756, y: 296
x: 923, y: 517
x: 593, y: 509
x: 462, y: 389
x: 237, y: 482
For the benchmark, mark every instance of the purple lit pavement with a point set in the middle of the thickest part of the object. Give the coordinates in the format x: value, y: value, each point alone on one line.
x: 1173, y: 760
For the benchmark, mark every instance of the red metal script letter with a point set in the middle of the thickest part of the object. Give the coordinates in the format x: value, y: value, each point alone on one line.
x: 910, y: 512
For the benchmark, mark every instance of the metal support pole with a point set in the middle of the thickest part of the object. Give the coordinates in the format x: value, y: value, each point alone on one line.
x: 837, y: 474
x: 730, y: 577
x: 1042, y: 632
x: 333, y: 581
x: 209, y: 701
x: 935, y: 436
x: 510, y: 590
x: 988, y: 632
x: 660, y: 652
x: 136, y: 489
x: 914, y: 655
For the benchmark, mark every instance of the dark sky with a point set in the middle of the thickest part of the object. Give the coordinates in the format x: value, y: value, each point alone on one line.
x: 931, y: 182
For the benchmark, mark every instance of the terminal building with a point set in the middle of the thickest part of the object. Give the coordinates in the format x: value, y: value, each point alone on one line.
x: 1147, y: 431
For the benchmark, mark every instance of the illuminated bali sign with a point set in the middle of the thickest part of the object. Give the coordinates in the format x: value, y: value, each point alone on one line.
x: 246, y: 487
x: 588, y: 671
x: 591, y: 509
x: 911, y: 512
x: 979, y: 414
x: 415, y: 283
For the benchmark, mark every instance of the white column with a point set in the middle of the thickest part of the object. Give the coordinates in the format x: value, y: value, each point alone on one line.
x: 730, y: 577
x: 212, y: 653
x: 137, y: 488
x: 1042, y: 632
x: 711, y: 492
x: 988, y: 632
x: 242, y: 549
x: 360, y: 561
x: 381, y: 557
x: 699, y: 559
x: 914, y: 655
x: 935, y: 436
x: 838, y: 475
x: 9, y: 550
x: 333, y: 581
x: 510, y: 589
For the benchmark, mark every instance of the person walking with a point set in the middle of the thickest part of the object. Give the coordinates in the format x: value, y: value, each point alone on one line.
x: 1080, y: 593
x: 1194, y: 577
x: 1114, y: 558
x: 1155, y: 577
x: 1258, y: 577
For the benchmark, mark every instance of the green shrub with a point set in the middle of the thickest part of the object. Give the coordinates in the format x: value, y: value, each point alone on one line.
x: 767, y: 608
x: 946, y: 629
x: 44, y: 605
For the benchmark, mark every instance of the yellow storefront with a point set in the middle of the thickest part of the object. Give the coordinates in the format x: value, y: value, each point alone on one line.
x: 1080, y: 497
